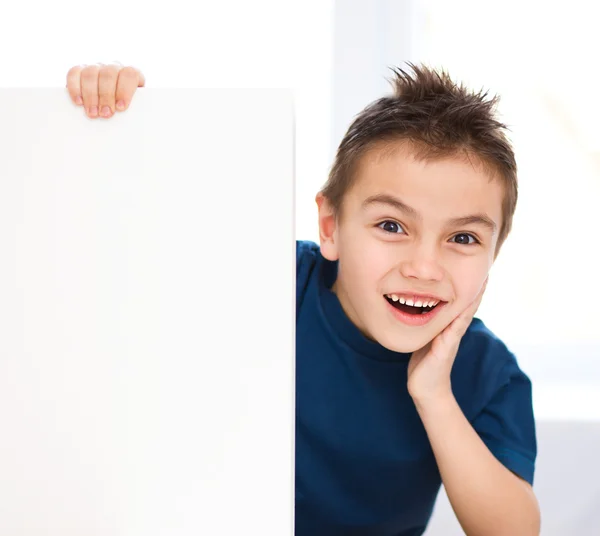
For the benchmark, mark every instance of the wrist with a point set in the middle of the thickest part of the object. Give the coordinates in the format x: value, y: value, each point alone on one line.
x: 434, y: 403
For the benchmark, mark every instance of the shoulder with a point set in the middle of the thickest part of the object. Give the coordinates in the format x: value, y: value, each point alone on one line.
x: 308, y: 255
x: 306, y: 251
x: 484, y: 365
x: 481, y: 343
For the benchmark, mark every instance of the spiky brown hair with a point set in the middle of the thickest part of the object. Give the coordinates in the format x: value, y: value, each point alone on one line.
x: 439, y: 118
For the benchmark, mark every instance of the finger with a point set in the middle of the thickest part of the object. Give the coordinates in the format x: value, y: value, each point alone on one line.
x: 107, y: 85
x: 461, y: 323
x: 472, y: 309
x: 485, y: 284
x: 129, y: 80
x: 74, y: 84
x: 89, y: 89
x: 477, y: 301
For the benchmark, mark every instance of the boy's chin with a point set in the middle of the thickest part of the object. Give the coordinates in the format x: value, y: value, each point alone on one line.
x: 401, y: 345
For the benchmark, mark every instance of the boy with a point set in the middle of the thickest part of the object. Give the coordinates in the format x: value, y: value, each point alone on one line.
x: 398, y: 388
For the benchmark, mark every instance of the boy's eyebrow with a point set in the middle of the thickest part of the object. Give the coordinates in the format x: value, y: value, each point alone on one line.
x: 385, y: 199
x: 473, y: 219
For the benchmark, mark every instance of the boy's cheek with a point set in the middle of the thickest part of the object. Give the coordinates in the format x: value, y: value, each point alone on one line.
x: 469, y: 290
x: 470, y: 274
x: 364, y: 257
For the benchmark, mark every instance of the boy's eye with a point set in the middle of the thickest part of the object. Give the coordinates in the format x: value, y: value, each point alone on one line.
x: 465, y: 238
x: 391, y: 227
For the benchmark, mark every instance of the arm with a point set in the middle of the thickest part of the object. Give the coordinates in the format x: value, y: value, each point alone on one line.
x: 487, y: 498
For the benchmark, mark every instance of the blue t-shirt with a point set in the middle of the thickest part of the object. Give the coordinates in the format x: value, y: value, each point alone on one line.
x: 364, y: 465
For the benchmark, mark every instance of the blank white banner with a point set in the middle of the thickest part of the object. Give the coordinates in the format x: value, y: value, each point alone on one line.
x: 146, y: 315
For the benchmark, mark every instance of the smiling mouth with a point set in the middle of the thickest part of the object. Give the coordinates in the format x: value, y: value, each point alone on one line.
x: 412, y: 307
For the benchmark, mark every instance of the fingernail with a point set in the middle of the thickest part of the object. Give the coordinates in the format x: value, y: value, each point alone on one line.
x: 78, y: 100
x: 121, y: 105
x: 93, y: 111
x: 106, y: 111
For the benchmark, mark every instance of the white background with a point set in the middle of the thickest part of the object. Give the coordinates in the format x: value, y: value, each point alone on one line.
x: 146, y: 357
x: 544, y: 288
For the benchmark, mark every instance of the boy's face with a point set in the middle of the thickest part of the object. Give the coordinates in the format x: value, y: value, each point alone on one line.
x: 412, y: 232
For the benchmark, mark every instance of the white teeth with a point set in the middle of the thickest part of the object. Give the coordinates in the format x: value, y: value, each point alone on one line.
x: 411, y: 302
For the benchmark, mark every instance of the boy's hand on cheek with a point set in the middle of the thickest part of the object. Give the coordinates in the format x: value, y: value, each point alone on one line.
x: 103, y: 89
x: 429, y: 368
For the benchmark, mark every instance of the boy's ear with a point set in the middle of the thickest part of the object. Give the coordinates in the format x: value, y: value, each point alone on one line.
x: 328, y: 234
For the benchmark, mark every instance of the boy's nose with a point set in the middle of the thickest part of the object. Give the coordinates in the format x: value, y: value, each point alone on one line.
x: 423, y: 265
